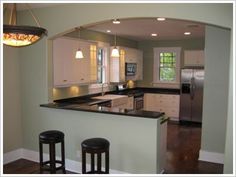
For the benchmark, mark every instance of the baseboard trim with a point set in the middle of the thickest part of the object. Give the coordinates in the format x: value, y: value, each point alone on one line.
x: 12, y: 156
x: 211, y: 157
x: 71, y: 165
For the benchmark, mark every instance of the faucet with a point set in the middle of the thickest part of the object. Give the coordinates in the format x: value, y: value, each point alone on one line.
x: 103, y: 92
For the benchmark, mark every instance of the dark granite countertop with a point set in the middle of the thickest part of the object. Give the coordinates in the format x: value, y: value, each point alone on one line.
x: 89, y: 104
x: 102, y: 109
x: 149, y: 90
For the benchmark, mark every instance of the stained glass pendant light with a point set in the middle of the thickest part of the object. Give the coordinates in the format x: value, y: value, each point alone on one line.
x: 115, y: 51
x: 18, y: 35
x: 79, y: 53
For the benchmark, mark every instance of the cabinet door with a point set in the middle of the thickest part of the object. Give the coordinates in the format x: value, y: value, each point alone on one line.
x: 130, y: 104
x: 139, y: 74
x: 67, y: 69
x: 149, y: 102
x: 63, y: 57
x: 117, y: 67
x: 131, y: 55
x: 122, y: 65
x: 194, y: 58
x: 81, y: 67
x: 93, y: 63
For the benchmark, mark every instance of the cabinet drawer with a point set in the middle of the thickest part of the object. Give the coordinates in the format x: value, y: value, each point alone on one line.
x: 172, y: 112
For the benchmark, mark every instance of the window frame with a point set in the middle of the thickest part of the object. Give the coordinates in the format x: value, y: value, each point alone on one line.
x: 95, y: 87
x: 156, y: 64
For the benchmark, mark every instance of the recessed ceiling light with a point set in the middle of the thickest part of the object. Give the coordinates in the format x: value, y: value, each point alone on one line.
x: 161, y: 19
x: 153, y: 34
x: 116, y: 21
x: 108, y: 31
x: 187, y: 33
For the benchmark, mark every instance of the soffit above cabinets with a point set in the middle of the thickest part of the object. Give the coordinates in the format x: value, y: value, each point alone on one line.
x: 141, y: 29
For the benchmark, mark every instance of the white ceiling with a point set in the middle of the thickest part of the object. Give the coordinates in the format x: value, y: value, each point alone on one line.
x: 142, y: 28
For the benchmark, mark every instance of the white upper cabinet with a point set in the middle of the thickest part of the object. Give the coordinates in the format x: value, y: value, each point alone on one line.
x: 135, y: 56
x: 117, y: 64
x: 67, y: 70
x: 194, y: 58
x: 139, y: 74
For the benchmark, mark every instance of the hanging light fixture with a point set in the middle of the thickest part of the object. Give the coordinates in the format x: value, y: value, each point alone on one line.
x: 18, y: 35
x: 79, y: 53
x: 115, y: 51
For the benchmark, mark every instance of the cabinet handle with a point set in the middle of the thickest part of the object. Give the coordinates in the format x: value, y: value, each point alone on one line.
x: 64, y: 80
x: 82, y: 79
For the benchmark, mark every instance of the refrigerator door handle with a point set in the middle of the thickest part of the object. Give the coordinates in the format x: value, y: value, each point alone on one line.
x: 192, y: 88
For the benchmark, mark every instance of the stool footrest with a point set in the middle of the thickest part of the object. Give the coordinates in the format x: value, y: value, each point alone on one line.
x: 96, y: 172
x: 46, y: 165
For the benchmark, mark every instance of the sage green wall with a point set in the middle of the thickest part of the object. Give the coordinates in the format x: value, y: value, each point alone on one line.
x: 147, y: 48
x: 215, y: 100
x: 12, y: 129
x: 33, y: 59
x: 228, y: 165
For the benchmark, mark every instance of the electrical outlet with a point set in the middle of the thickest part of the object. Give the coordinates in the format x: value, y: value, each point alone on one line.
x: 78, y: 154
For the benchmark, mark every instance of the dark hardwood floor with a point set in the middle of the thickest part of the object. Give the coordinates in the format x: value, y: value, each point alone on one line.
x: 23, y: 166
x: 183, y: 145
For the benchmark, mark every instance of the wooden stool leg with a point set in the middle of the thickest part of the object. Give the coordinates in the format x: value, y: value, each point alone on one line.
x: 83, y: 161
x: 52, y: 155
x: 41, y: 157
x: 107, y: 162
x: 63, y: 156
x: 92, y: 163
x: 99, y: 163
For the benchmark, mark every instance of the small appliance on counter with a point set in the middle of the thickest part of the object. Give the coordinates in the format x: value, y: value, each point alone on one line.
x: 121, y: 87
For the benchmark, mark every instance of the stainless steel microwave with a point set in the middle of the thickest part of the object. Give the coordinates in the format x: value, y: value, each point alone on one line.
x: 130, y: 69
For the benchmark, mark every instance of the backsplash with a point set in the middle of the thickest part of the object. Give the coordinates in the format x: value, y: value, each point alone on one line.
x: 67, y: 92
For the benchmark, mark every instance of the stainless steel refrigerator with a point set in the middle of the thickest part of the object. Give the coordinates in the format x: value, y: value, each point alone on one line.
x: 191, y: 96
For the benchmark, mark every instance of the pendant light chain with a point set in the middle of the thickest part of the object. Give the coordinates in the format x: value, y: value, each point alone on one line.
x: 79, y: 53
x: 12, y: 19
x: 32, y: 14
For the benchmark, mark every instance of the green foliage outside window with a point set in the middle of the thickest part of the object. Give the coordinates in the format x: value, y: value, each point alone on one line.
x: 167, y: 66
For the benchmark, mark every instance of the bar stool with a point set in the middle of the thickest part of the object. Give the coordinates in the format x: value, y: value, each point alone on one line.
x: 51, y: 137
x: 95, y: 146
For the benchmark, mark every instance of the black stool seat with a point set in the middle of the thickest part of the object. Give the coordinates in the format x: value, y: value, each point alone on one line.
x: 95, y: 146
x: 52, y: 137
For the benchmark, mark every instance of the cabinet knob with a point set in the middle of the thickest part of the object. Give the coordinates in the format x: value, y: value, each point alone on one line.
x: 82, y: 79
x: 64, y: 80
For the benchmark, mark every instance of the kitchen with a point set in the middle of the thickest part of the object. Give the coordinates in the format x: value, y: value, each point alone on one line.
x: 41, y: 111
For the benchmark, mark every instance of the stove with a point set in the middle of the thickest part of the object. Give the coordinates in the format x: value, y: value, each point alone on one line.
x: 135, y: 93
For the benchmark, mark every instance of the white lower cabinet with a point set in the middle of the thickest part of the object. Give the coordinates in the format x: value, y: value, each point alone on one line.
x: 167, y: 103
x: 130, y: 103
